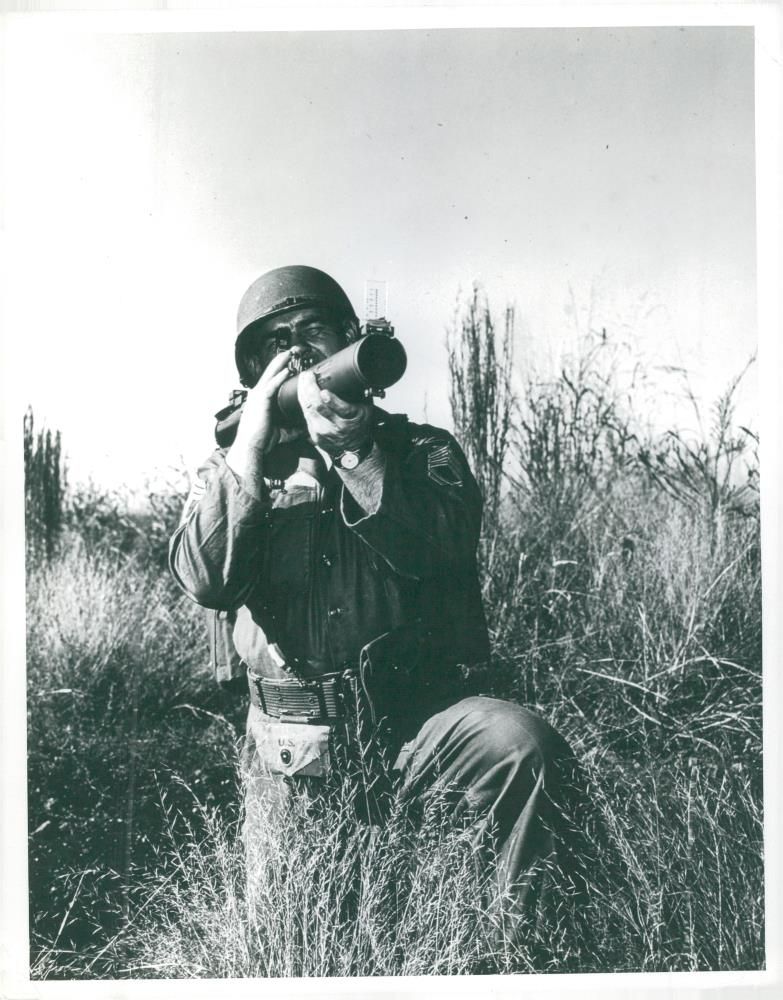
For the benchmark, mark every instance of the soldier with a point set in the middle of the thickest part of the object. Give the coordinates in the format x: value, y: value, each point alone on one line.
x: 351, y: 571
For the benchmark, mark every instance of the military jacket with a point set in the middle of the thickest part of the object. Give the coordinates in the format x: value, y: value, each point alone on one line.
x: 309, y: 570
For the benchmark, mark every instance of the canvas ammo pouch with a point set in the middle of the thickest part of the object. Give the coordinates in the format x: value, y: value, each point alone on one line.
x: 296, y: 750
x: 304, y: 722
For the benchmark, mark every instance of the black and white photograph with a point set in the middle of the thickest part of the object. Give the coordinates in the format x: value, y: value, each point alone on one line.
x: 383, y: 411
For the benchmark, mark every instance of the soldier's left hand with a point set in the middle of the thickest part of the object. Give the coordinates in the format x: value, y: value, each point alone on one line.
x: 333, y: 424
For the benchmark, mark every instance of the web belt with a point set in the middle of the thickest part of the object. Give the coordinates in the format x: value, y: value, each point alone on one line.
x: 312, y: 700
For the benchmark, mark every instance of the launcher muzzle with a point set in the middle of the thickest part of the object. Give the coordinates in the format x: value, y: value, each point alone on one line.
x: 363, y: 369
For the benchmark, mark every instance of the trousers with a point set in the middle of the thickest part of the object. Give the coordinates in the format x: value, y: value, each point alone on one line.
x: 497, y: 766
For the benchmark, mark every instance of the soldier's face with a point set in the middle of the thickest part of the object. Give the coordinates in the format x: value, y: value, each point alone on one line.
x: 311, y: 330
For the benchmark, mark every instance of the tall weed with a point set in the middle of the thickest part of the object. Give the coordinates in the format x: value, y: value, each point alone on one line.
x: 481, y: 394
x: 45, y: 486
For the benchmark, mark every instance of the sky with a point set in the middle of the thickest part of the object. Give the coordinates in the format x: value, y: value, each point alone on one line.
x: 596, y: 177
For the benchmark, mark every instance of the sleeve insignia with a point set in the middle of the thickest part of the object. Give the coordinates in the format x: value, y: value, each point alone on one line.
x: 443, y: 466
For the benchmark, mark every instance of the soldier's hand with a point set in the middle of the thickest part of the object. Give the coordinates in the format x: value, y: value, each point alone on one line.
x: 333, y: 424
x: 257, y: 432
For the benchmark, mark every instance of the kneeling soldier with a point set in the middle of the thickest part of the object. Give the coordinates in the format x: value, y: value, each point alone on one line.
x: 345, y: 554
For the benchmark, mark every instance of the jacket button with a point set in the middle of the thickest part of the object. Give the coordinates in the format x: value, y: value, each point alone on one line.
x: 335, y: 612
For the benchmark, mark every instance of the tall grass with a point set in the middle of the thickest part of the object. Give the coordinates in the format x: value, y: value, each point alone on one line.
x: 119, y: 698
x: 325, y: 898
x: 621, y: 574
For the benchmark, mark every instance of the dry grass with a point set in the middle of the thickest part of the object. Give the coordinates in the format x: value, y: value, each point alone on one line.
x: 622, y: 582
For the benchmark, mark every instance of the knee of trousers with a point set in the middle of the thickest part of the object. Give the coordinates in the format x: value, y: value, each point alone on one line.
x: 503, y: 732
x: 485, y: 745
x: 509, y: 767
x: 512, y: 746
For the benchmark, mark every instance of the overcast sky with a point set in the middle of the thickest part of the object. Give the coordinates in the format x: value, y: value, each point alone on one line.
x: 594, y: 177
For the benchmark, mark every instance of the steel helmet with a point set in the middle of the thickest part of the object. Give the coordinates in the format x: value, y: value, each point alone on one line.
x: 284, y: 288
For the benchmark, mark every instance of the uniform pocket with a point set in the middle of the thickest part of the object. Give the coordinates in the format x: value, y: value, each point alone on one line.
x: 291, y: 531
x: 294, y: 750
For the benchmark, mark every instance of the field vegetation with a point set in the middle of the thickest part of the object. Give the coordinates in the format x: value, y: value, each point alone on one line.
x: 621, y: 575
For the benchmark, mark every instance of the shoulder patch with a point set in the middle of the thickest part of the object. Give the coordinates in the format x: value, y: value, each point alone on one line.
x: 444, y: 467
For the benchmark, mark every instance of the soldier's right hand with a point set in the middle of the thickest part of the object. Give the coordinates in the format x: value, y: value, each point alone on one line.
x: 257, y: 432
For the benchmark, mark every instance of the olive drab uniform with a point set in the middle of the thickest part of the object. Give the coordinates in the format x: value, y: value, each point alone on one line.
x: 309, y: 570
x: 323, y: 590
